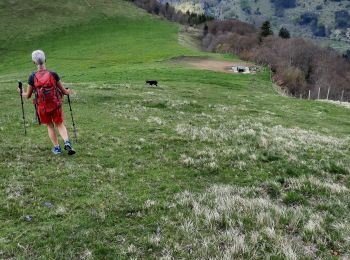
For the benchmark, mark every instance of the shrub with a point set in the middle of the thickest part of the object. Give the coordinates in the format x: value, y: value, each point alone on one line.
x: 294, y: 79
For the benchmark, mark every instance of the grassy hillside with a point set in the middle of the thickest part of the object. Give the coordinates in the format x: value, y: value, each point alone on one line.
x: 22, y: 21
x: 207, y: 165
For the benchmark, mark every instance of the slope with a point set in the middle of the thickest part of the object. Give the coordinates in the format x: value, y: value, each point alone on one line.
x: 164, y: 172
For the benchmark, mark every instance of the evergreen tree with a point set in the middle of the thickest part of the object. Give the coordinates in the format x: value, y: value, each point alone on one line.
x: 266, y: 29
x: 205, y: 29
x: 167, y: 6
x: 346, y: 55
x: 284, y: 33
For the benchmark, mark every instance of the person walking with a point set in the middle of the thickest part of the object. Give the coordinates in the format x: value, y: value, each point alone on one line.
x: 49, y: 92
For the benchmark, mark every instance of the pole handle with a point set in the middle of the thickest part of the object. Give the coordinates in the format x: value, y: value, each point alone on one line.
x: 20, y: 86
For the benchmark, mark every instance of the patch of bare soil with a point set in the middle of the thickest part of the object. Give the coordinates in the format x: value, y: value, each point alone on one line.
x: 205, y: 63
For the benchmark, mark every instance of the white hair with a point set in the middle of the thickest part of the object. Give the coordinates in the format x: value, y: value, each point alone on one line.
x: 38, y: 57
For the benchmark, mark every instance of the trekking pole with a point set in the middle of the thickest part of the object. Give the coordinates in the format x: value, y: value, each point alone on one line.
x: 20, y: 93
x: 36, y: 108
x: 71, y: 113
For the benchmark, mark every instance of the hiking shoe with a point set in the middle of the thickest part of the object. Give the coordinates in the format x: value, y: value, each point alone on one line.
x: 68, y: 147
x: 56, y: 150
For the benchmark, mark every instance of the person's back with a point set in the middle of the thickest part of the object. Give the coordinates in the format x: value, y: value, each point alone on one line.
x: 48, y: 97
x: 49, y: 90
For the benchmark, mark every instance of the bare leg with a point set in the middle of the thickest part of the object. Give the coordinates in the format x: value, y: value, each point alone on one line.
x: 63, y: 131
x: 52, y: 134
x: 64, y: 134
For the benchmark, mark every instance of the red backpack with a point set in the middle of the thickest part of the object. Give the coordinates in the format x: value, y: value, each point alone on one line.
x: 49, y: 97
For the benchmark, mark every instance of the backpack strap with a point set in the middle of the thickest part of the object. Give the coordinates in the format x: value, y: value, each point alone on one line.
x: 58, y: 91
x: 36, y: 78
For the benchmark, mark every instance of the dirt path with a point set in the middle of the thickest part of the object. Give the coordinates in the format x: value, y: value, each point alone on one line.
x: 205, y: 63
x: 189, y: 37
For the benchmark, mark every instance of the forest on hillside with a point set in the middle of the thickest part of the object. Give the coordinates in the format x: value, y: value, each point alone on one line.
x: 325, y: 21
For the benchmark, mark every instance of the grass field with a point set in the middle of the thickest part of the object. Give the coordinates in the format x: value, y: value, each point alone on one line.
x: 208, y: 165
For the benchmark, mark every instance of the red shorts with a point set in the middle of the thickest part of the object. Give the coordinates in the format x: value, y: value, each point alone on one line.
x: 56, y: 116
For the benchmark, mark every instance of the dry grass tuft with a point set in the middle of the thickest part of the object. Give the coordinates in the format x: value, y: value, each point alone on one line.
x: 226, y: 222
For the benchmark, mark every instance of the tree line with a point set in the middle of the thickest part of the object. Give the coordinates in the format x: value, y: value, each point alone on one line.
x: 170, y: 13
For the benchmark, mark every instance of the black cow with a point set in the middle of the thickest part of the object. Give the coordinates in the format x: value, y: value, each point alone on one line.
x: 152, y: 82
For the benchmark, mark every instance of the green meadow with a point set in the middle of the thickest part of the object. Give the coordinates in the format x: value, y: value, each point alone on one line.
x: 206, y: 165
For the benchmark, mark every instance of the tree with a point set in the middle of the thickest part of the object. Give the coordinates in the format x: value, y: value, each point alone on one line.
x: 284, y: 33
x: 346, y: 55
x: 167, y: 6
x: 266, y: 29
x: 205, y: 30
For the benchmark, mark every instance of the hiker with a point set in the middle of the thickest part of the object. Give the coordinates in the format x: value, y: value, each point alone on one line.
x: 49, y: 90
